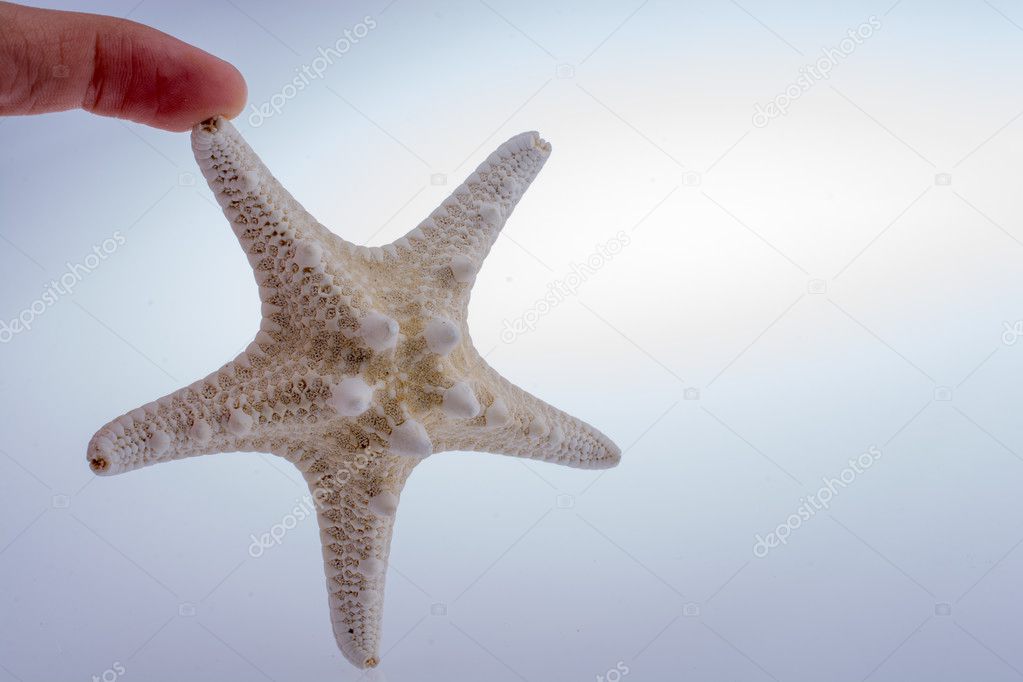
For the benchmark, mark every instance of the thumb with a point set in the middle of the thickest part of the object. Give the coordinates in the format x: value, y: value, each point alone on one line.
x: 54, y: 61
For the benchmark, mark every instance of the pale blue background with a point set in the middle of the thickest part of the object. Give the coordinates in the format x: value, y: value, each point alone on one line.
x: 651, y: 128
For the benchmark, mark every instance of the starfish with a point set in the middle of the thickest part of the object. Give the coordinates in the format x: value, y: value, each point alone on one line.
x: 362, y: 366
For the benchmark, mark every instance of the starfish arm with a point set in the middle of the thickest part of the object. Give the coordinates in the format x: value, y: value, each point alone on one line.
x: 307, y: 275
x: 460, y: 232
x: 356, y: 500
x: 219, y: 413
x: 515, y: 422
x: 258, y: 207
x: 187, y: 422
x: 255, y: 203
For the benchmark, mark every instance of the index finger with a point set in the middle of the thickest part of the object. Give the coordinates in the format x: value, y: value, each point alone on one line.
x: 54, y: 61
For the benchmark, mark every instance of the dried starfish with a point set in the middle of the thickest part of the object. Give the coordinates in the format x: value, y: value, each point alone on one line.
x: 362, y: 366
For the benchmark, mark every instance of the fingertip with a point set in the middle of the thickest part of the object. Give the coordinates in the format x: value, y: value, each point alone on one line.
x: 198, y: 87
x: 236, y: 91
x: 219, y: 89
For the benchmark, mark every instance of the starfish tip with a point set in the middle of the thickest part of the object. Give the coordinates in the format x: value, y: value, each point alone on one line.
x: 613, y: 457
x: 528, y: 139
x: 210, y: 125
x: 99, y: 454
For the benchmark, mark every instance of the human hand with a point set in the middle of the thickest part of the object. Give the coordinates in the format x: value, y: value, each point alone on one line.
x: 54, y: 61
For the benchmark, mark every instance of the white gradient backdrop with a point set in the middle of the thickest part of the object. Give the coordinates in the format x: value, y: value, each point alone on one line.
x: 507, y: 570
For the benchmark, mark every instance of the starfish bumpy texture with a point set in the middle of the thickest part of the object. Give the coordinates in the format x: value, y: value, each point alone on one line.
x: 362, y: 366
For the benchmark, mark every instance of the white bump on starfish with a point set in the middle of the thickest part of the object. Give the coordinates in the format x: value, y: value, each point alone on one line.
x: 459, y: 402
x: 159, y: 442
x: 442, y: 336
x: 537, y: 427
x: 372, y: 567
x: 249, y: 181
x: 351, y: 397
x: 379, y: 331
x: 410, y: 439
x: 556, y: 436
x: 239, y: 422
x: 383, y: 504
x: 463, y: 269
x: 200, y: 431
x: 346, y: 327
x: 491, y: 214
x: 369, y: 597
x: 308, y: 254
x: 497, y: 414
